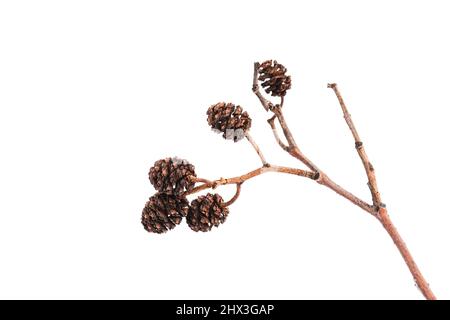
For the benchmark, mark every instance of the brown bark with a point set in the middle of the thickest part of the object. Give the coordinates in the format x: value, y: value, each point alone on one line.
x: 422, y: 284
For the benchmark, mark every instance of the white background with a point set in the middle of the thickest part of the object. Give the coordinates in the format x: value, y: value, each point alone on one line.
x: 93, y: 92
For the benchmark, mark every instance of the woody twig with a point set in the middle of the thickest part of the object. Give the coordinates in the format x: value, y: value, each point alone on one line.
x: 176, y: 179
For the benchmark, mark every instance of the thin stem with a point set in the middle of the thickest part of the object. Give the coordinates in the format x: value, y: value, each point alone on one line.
x: 298, y: 172
x: 250, y: 175
x: 271, y: 122
x: 368, y: 167
x: 256, y: 147
x: 235, y: 197
x: 197, y: 179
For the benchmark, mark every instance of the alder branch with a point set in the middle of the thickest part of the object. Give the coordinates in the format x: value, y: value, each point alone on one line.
x: 164, y: 173
x: 377, y: 209
x: 370, y: 171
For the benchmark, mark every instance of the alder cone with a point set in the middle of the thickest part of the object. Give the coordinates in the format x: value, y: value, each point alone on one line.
x: 229, y: 119
x: 205, y: 212
x: 163, y: 212
x: 172, y: 176
x: 274, y: 78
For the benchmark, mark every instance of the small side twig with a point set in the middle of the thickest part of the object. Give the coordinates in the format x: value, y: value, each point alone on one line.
x: 256, y: 147
x: 271, y: 122
x: 370, y: 171
x: 235, y: 197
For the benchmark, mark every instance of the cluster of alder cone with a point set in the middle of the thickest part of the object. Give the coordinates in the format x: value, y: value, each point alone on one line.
x: 174, y: 179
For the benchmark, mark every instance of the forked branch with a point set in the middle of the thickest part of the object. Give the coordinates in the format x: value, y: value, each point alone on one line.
x: 174, y: 179
x: 376, y: 209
